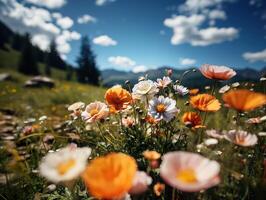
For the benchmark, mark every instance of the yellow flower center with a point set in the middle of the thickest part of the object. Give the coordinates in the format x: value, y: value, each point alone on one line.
x: 186, y: 176
x: 160, y: 108
x: 94, y: 112
x: 62, y: 168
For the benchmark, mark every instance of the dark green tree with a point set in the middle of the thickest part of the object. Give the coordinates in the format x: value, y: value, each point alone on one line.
x: 87, y: 69
x: 54, y: 58
x: 28, y: 63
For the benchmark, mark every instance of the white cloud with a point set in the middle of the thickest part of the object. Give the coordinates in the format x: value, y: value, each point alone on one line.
x: 56, y: 15
x: 65, y: 22
x: 48, y: 3
x: 121, y: 61
x: 139, y: 68
x: 85, y: 19
x: 103, y: 2
x: 187, y: 61
x: 104, y: 40
x: 255, y: 56
x: 217, y: 14
x: 62, y: 41
x: 42, y: 41
x: 186, y: 29
x: 64, y: 48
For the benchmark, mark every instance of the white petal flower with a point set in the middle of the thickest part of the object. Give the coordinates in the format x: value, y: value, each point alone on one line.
x: 95, y: 111
x: 162, y: 108
x: 236, y: 84
x: 144, y: 90
x: 241, y: 138
x: 210, y: 141
x: 224, y: 89
x: 66, y: 164
x: 163, y: 83
x: 215, y: 134
x: 181, y: 90
x: 189, y: 172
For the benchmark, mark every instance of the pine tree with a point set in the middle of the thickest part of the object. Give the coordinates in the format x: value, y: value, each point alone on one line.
x: 28, y: 64
x: 54, y: 57
x: 87, y: 71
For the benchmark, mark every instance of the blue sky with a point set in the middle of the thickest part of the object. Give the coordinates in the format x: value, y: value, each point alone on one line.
x: 143, y: 34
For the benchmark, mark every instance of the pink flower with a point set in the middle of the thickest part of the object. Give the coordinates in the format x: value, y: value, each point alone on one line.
x: 217, y: 72
x: 189, y: 172
x: 241, y: 138
x: 215, y: 134
x: 140, y: 183
x: 163, y: 83
x: 95, y: 111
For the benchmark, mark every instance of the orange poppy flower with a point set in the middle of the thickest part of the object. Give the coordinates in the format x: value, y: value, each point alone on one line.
x: 110, y: 176
x: 158, y: 188
x: 151, y: 155
x: 193, y: 91
x: 117, y: 98
x: 205, y: 102
x: 151, y: 120
x: 244, y: 100
x: 217, y: 72
x: 192, y: 119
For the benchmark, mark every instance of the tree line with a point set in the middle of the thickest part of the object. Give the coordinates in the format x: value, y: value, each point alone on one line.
x: 86, y: 70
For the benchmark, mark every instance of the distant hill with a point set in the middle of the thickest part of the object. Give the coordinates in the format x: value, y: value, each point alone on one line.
x: 193, y: 79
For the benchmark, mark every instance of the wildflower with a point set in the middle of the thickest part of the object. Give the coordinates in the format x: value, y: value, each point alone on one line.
x: 151, y: 155
x: 76, y: 108
x: 262, y: 134
x: 95, y: 111
x: 158, y: 188
x: 162, y: 108
x: 189, y: 172
x: 140, y: 183
x: 163, y: 83
x: 236, y: 84
x: 43, y: 118
x: 128, y: 121
x: 241, y: 138
x: 215, y: 134
x: 244, y: 100
x: 224, y: 89
x: 64, y: 165
x: 217, y: 72
x: 144, y: 90
x: 256, y: 120
x: 181, y: 90
x: 169, y: 72
x: 210, y: 141
x: 192, y: 119
x: 117, y: 98
x: 151, y: 120
x: 205, y: 102
x: 193, y: 92
x: 110, y: 176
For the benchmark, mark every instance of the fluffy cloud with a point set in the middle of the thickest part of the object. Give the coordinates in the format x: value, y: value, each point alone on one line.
x: 121, y: 61
x: 42, y: 41
x: 85, y: 19
x: 48, y: 3
x: 217, y: 14
x: 255, y: 56
x: 139, y: 68
x: 187, y: 61
x: 186, y: 29
x: 65, y: 22
x: 103, y: 2
x: 104, y: 40
x: 39, y: 22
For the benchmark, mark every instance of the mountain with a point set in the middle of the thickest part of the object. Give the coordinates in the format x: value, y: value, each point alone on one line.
x: 111, y: 77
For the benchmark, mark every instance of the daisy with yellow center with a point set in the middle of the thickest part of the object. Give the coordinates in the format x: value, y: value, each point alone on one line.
x: 189, y: 172
x: 162, y: 108
x: 65, y: 164
x: 95, y: 111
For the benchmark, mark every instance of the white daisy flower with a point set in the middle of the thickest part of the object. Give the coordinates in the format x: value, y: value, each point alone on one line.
x: 181, y: 90
x: 224, y: 89
x: 162, y: 108
x: 210, y: 141
x: 95, y: 111
x: 236, y: 84
x: 241, y: 138
x: 163, y: 83
x: 64, y: 165
x: 144, y: 90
